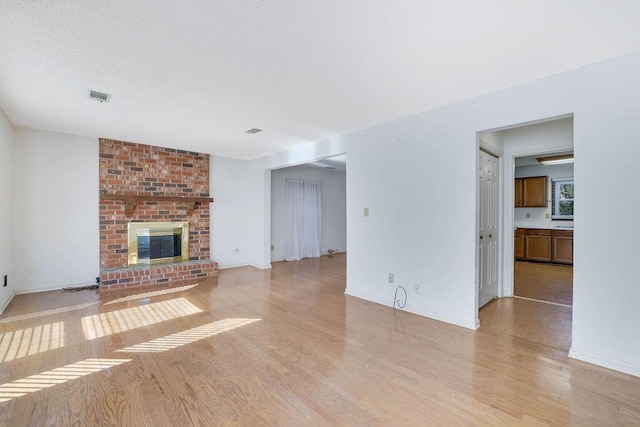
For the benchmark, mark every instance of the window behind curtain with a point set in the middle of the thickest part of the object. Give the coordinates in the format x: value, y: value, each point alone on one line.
x: 304, y: 219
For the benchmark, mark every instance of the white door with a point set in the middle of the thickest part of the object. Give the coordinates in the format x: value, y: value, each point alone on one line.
x: 488, y: 233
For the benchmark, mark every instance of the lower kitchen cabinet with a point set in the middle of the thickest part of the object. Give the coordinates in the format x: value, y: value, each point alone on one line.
x: 518, y: 246
x: 538, y: 245
x: 533, y: 244
x: 563, y: 246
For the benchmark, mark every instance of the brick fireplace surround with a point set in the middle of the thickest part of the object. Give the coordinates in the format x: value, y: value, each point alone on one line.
x: 145, y: 170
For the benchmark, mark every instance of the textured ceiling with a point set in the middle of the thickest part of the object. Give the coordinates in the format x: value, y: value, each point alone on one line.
x: 197, y: 74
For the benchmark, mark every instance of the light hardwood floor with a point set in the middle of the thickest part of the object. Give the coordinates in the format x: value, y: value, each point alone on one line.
x: 287, y: 347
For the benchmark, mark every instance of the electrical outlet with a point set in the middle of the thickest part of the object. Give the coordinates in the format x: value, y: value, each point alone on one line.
x: 547, y: 215
x: 237, y: 251
x: 528, y: 214
x: 391, y: 278
x: 272, y: 247
x: 366, y: 211
x: 416, y: 288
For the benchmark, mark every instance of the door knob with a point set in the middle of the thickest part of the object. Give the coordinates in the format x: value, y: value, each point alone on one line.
x: 481, y: 237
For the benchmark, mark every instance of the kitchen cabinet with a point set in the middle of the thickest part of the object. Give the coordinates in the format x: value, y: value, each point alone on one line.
x: 563, y: 246
x: 531, y: 192
x: 532, y: 244
x: 518, y: 246
x: 538, y: 245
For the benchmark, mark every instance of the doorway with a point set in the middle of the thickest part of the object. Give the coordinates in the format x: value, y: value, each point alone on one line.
x: 543, y: 236
x: 330, y: 175
x: 521, y: 313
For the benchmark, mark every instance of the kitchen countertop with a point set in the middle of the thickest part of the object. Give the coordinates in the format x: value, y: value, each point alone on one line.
x: 568, y: 225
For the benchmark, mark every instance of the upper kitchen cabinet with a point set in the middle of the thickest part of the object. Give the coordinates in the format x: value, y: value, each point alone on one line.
x: 531, y: 192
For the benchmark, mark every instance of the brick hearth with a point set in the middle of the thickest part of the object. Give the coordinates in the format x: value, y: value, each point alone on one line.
x: 145, y: 170
x: 126, y: 277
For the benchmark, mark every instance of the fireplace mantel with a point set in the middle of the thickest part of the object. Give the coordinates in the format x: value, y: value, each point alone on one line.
x: 131, y: 201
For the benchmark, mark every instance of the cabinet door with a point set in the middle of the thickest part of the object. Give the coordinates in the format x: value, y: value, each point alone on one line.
x: 535, y: 192
x: 563, y: 247
x: 538, y: 247
x: 519, y: 194
x: 518, y: 245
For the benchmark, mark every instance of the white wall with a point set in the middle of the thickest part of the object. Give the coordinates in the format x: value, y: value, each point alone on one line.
x: 537, y: 215
x: 418, y: 177
x: 55, y: 210
x: 6, y: 142
x: 230, y: 211
x: 333, y: 203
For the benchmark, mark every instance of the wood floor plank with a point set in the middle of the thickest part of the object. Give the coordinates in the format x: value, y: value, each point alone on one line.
x: 310, y: 356
x: 543, y: 281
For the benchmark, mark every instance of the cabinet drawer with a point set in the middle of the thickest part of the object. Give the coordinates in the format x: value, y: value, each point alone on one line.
x: 538, y: 232
x: 563, y: 233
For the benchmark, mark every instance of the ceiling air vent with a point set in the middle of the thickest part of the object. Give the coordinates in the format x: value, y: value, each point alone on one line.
x: 99, y: 96
x: 254, y: 130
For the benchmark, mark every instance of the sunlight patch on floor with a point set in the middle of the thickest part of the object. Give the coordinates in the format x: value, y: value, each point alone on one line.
x: 29, y: 341
x: 151, y: 294
x: 56, y: 376
x: 47, y: 312
x: 126, y: 319
x: 187, y: 337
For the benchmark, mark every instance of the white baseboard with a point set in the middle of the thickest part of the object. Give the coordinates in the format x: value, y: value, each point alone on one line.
x: 431, y: 314
x: 36, y: 290
x: 606, y: 362
x: 231, y: 266
x: 338, y: 252
x: 244, y: 265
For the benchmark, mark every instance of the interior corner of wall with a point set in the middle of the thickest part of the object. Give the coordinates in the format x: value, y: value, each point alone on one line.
x: 6, y: 303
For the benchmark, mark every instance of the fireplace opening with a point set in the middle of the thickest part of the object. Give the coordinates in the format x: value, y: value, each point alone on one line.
x: 154, y: 247
x: 152, y: 243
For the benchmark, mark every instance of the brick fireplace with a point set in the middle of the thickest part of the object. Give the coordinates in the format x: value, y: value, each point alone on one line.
x: 144, y: 183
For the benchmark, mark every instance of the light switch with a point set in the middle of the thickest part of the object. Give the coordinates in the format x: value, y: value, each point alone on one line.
x: 547, y: 215
x: 366, y: 211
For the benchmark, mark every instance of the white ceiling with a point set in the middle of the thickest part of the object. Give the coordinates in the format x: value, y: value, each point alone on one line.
x: 196, y: 75
x: 533, y: 160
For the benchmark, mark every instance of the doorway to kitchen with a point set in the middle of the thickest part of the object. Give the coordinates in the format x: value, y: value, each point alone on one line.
x: 543, y: 226
x: 537, y: 210
x: 536, y: 244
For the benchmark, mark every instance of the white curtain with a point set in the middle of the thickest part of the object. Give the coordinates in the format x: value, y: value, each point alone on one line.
x: 303, y: 219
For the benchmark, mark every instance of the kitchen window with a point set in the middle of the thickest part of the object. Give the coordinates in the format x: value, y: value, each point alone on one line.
x: 562, y: 193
